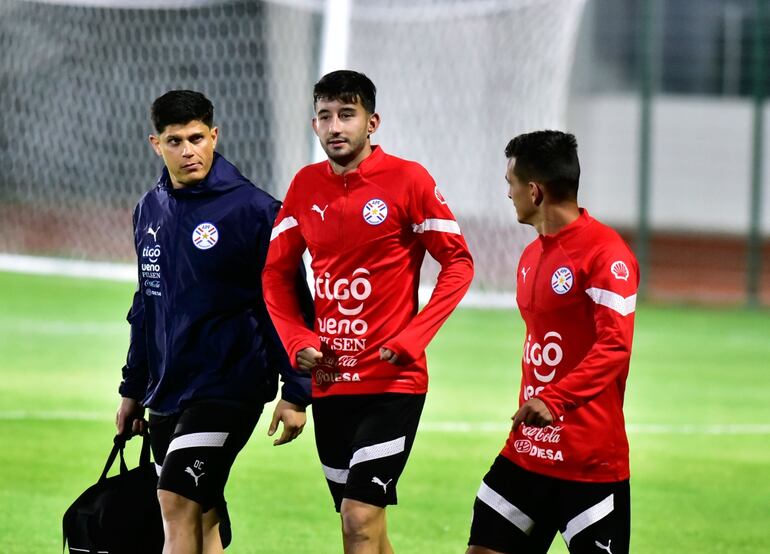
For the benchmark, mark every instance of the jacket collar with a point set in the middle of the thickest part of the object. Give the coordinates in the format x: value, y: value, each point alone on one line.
x: 364, y: 168
x: 583, y: 220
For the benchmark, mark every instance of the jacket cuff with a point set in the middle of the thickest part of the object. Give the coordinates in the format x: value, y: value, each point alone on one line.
x: 404, y: 356
x: 126, y: 390
x: 296, y: 393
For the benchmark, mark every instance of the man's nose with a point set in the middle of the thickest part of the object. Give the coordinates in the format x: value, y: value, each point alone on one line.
x: 187, y: 150
x: 334, y: 125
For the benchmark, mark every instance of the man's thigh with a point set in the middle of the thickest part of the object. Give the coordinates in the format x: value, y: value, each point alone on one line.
x: 595, y: 517
x: 364, y: 442
x: 513, y: 510
x: 196, y: 448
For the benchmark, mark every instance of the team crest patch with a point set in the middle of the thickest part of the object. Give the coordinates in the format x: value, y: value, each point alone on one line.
x: 561, y: 280
x: 205, y: 236
x: 375, y: 211
x: 620, y: 270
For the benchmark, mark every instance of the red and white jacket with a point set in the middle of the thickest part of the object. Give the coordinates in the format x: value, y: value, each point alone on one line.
x: 367, y: 233
x: 576, y: 291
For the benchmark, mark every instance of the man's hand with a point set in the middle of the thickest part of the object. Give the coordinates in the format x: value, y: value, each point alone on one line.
x: 388, y: 355
x: 307, y: 358
x: 129, y: 420
x: 533, y: 412
x: 293, y: 418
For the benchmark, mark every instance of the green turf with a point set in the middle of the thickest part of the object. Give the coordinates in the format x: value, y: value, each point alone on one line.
x: 62, y: 343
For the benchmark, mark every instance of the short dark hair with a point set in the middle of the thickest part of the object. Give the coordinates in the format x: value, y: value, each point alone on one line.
x: 549, y: 158
x: 346, y: 86
x: 178, y: 107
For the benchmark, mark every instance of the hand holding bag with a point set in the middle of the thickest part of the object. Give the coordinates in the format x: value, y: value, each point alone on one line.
x: 119, y: 514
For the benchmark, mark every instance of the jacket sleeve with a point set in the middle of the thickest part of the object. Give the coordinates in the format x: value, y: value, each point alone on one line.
x: 136, y: 371
x: 439, y: 232
x: 612, y: 283
x: 296, y: 385
x: 284, y: 297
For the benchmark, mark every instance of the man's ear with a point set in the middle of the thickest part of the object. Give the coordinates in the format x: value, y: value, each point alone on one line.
x: 214, y: 135
x: 374, y: 123
x: 314, y: 124
x: 155, y: 143
x: 536, y: 193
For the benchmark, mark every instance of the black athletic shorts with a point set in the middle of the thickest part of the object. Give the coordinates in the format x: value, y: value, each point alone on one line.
x: 195, y: 449
x: 520, y: 511
x: 363, y: 442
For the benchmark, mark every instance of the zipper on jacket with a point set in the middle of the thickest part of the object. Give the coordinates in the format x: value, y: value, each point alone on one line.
x: 533, y: 285
x: 175, y: 216
x: 344, y: 210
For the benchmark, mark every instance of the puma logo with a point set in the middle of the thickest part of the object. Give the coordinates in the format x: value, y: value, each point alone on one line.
x: 524, y: 271
x: 152, y: 232
x: 376, y: 480
x: 315, y: 208
x: 607, y: 548
x: 196, y: 477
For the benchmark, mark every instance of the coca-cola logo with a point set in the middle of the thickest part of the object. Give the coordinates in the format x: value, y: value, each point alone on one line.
x: 550, y: 434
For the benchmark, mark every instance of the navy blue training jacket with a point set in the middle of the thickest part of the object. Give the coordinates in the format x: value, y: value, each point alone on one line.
x: 199, y: 326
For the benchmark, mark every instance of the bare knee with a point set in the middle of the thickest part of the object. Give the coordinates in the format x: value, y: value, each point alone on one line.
x: 361, y: 522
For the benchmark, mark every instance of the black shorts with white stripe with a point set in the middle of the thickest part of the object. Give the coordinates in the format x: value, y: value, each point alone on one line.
x: 520, y: 511
x: 363, y: 443
x: 195, y: 449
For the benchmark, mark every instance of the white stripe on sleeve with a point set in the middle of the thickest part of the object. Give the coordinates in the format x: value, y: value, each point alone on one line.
x: 441, y: 225
x: 510, y: 512
x: 613, y: 300
x: 285, y: 224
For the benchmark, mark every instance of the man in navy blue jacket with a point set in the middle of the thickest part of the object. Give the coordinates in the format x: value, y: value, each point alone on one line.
x: 204, y: 356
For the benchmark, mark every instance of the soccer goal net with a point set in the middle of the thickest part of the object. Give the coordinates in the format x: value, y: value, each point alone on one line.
x: 456, y: 80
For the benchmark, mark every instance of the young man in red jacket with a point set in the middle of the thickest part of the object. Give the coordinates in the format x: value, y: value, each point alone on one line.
x: 565, y: 465
x: 367, y: 219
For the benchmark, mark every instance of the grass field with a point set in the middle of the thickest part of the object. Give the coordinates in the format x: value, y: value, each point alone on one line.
x: 698, y: 411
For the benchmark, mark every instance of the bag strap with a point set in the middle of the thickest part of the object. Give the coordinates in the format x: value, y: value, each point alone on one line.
x: 119, y: 443
x: 144, y: 456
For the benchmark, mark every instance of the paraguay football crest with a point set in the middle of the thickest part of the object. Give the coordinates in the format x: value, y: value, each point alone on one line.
x: 561, y: 280
x: 375, y: 211
x: 205, y: 236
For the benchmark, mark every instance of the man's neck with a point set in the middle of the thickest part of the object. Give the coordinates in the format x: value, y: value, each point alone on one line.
x: 342, y: 169
x: 555, y: 217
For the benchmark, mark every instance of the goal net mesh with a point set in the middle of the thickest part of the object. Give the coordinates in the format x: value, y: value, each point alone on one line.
x: 456, y: 80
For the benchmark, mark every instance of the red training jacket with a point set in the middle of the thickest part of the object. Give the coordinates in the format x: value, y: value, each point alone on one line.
x: 367, y: 233
x: 576, y: 291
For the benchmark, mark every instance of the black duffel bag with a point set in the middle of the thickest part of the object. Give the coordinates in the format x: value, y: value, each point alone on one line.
x: 119, y: 514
